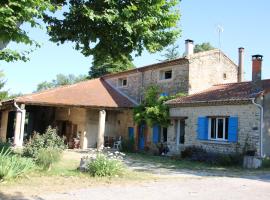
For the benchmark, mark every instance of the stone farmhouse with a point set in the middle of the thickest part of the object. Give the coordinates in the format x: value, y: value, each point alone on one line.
x: 221, y: 112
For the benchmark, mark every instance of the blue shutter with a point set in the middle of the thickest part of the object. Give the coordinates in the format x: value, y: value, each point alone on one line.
x: 164, y: 94
x: 155, y: 134
x: 131, y: 133
x: 233, y: 129
x: 202, y: 130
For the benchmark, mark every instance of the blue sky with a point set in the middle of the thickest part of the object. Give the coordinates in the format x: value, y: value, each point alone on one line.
x: 245, y: 22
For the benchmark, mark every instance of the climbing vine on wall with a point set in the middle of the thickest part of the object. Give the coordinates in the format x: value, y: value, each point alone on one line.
x: 153, y: 109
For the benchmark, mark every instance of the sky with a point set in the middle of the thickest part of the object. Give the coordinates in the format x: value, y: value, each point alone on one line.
x: 246, y: 23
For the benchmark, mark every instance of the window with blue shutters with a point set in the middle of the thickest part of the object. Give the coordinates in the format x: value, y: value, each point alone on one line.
x: 222, y: 128
x: 202, y: 128
x: 233, y: 129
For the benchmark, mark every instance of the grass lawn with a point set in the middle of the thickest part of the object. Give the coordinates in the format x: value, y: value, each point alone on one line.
x: 62, y: 177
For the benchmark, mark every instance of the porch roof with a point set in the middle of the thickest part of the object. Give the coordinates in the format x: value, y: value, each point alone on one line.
x: 91, y: 93
x: 222, y: 94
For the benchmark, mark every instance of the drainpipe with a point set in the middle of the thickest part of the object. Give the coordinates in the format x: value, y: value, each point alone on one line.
x: 261, y: 126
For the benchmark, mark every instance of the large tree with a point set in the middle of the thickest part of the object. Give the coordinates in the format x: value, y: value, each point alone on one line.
x: 113, y: 29
x: 171, y: 53
x: 205, y: 46
x: 60, y: 80
x: 14, y: 13
x: 3, y: 93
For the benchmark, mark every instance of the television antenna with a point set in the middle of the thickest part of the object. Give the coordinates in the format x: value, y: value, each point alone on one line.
x: 220, y: 30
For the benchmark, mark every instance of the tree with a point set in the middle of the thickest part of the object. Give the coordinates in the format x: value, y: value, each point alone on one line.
x: 153, y: 110
x: 113, y: 29
x: 3, y: 93
x: 206, y: 46
x: 60, y: 80
x: 109, y: 65
x: 171, y: 53
x: 13, y: 13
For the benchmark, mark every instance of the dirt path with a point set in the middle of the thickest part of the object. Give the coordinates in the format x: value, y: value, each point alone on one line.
x: 219, y: 188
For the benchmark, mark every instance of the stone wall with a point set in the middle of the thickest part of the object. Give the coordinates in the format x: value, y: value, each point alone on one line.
x: 196, y: 73
x: 209, y: 68
x: 4, y: 123
x: 138, y: 81
x: 248, y: 127
x: 266, y: 128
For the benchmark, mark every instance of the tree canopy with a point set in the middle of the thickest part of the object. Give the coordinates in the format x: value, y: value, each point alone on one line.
x: 114, y: 29
x: 171, y: 53
x: 60, y: 80
x: 153, y: 110
x: 14, y: 13
x: 205, y: 46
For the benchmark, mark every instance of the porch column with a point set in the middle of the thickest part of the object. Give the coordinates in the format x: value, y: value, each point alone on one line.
x: 19, y: 127
x: 4, y: 123
x: 101, y: 129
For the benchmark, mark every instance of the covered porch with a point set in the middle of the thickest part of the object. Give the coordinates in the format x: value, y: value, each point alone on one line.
x: 91, y: 113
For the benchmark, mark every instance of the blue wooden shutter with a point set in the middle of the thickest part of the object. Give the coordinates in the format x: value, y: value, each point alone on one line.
x: 155, y: 133
x: 130, y: 133
x: 164, y: 94
x: 202, y: 130
x: 233, y: 129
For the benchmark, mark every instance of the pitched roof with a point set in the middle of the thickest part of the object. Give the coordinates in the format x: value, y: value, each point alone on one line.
x: 91, y: 93
x: 230, y: 92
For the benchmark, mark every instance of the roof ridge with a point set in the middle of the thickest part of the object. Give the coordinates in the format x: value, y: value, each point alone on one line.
x: 238, y: 82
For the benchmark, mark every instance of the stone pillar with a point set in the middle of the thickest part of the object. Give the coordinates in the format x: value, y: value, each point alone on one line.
x: 83, y: 140
x: 101, y: 129
x: 4, y: 123
x: 19, y: 128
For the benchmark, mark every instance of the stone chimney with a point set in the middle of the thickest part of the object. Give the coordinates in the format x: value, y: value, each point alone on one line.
x: 189, y: 47
x: 240, y: 75
x: 257, y: 73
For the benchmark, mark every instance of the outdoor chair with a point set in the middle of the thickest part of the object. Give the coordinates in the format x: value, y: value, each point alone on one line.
x: 117, y: 144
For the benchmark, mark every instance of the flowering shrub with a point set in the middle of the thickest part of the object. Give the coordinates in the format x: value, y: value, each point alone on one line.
x: 103, y: 164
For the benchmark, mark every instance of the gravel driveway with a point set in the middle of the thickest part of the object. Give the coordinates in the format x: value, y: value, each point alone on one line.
x: 218, y: 188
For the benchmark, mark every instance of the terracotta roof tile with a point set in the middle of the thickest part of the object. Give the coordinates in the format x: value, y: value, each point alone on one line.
x: 91, y: 93
x: 222, y: 93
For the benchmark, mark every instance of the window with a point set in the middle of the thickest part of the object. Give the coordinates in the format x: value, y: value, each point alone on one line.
x: 122, y: 82
x: 224, y: 76
x: 165, y: 75
x: 218, y: 128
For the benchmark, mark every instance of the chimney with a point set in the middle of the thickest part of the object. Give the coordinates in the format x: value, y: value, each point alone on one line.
x: 240, y: 75
x: 189, y: 47
x: 257, y: 73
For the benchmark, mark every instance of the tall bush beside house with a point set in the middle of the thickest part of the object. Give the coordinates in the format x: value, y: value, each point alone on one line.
x: 12, y: 165
x: 49, y: 139
x: 46, y: 148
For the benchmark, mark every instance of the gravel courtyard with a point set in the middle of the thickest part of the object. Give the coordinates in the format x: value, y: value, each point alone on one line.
x: 203, y: 188
x: 168, y: 183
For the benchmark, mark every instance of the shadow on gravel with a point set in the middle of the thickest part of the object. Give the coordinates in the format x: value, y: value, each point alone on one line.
x: 17, y: 196
x: 165, y: 166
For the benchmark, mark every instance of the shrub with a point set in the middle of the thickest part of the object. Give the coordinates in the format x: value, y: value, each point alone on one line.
x: 128, y: 146
x: 4, y: 145
x: 104, y: 166
x: 266, y: 162
x: 194, y: 153
x: 12, y: 166
x: 47, y: 156
x: 49, y: 139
